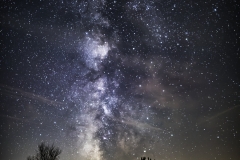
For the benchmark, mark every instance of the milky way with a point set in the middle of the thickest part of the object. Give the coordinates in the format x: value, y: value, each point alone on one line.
x: 120, y: 79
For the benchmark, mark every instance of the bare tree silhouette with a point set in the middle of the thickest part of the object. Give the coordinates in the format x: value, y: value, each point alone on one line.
x: 144, y: 158
x: 46, y: 152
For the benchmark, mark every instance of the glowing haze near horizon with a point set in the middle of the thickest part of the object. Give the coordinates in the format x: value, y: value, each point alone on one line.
x: 120, y: 79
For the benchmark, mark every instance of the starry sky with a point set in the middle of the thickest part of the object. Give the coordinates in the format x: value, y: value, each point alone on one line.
x: 120, y: 79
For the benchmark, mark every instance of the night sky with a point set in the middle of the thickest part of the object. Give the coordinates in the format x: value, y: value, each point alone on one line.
x: 113, y: 80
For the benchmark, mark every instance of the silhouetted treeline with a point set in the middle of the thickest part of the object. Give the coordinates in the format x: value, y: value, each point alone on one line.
x: 51, y: 152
